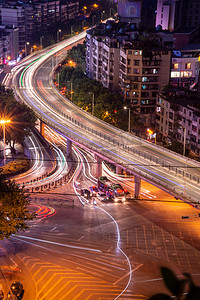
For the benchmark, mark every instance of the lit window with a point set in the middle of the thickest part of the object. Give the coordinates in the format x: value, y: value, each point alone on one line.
x: 188, y: 66
x: 144, y: 79
x: 135, y: 52
x: 176, y: 66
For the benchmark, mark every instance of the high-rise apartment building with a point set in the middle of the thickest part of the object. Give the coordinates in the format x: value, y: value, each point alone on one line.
x: 117, y: 58
x: 14, y: 15
x: 10, y: 42
x: 172, y: 14
x: 178, y: 118
x: 33, y: 16
x: 142, y: 76
x: 185, y: 68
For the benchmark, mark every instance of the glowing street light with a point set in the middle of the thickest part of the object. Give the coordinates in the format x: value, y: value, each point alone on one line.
x: 26, y: 44
x: 151, y: 134
x: 58, y: 35
x: 3, y: 123
x: 129, y: 118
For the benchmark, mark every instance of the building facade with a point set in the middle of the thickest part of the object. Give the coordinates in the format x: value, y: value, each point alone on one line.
x: 33, y: 16
x: 178, y: 118
x: 172, y: 14
x: 142, y: 77
x: 116, y: 58
x: 185, y: 68
x: 9, y: 36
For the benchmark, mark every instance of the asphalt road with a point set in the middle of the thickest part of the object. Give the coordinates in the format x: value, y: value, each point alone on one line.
x: 159, y: 166
x: 77, y: 252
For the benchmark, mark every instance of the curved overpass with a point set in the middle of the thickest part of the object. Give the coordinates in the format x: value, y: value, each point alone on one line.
x: 32, y: 81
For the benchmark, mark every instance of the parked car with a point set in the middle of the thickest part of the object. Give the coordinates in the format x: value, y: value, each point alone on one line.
x: 93, y: 190
x: 85, y: 193
x: 102, y: 196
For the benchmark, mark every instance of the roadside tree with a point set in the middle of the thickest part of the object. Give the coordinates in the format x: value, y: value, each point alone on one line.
x: 13, y: 208
x: 22, y: 118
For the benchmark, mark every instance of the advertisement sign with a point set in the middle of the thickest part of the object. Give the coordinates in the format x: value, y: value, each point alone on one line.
x: 129, y: 9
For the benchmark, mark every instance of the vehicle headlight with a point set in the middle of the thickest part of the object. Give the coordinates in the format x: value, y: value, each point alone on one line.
x: 123, y: 199
x: 115, y: 199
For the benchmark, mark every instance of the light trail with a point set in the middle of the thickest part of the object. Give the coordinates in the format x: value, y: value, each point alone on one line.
x: 126, y: 181
x: 79, y: 153
x: 58, y: 244
x: 118, y: 246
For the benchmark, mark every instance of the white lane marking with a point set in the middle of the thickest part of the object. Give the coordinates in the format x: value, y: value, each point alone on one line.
x: 135, y: 269
x: 81, y: 238
x: 53, y: 229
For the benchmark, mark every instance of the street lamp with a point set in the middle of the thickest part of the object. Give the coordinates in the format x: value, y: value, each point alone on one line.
x: 58, y: 35
x: 26, y: 44
x: 129, y: 118
x: 102, y: 15
x: 184, y: 139
x: 151, y: 134
x: 71, y: 89
x: 3, y: 123
x: 92, y: 102
x: 41, y: 40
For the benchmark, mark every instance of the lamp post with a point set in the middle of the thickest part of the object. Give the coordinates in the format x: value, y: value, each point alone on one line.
x: 92, y: 102
x: 72, y: 29
x: 26, y: 44
x: 41, y: 40
x: 129, y: 118
x: 3, y: 123
x: 184, y: 140
x: 71, y: 89
x: 102, y: 15
x: 58, y: 35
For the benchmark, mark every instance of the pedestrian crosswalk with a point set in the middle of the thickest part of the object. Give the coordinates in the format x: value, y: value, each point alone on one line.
x: 57, y: 282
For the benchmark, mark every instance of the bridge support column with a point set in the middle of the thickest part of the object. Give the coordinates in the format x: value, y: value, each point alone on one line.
x: 118, y: 170
x: 69, y: 148
x: 42, y: 128
x: 137, y: 180
x: 99, y: 166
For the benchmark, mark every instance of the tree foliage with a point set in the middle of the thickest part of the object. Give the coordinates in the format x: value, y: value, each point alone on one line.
x: 13, y: 208
x: 22, y: 117
x: 77, y: 54
x: 108, y: 105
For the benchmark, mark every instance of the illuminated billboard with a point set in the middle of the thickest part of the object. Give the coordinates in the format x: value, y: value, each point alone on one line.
x: 127, y: 9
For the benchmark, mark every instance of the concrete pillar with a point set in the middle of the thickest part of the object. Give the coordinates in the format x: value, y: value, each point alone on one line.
x: 42, y: 128
x: 118, y: 170
x: 99, y: 166
x: 137, y: 180
x: 69, y: 148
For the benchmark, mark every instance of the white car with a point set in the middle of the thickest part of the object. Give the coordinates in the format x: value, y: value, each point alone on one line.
x: 102, y: 196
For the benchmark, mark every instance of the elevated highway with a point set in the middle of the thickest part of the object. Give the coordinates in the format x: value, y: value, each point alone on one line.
x: 32, y: 82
